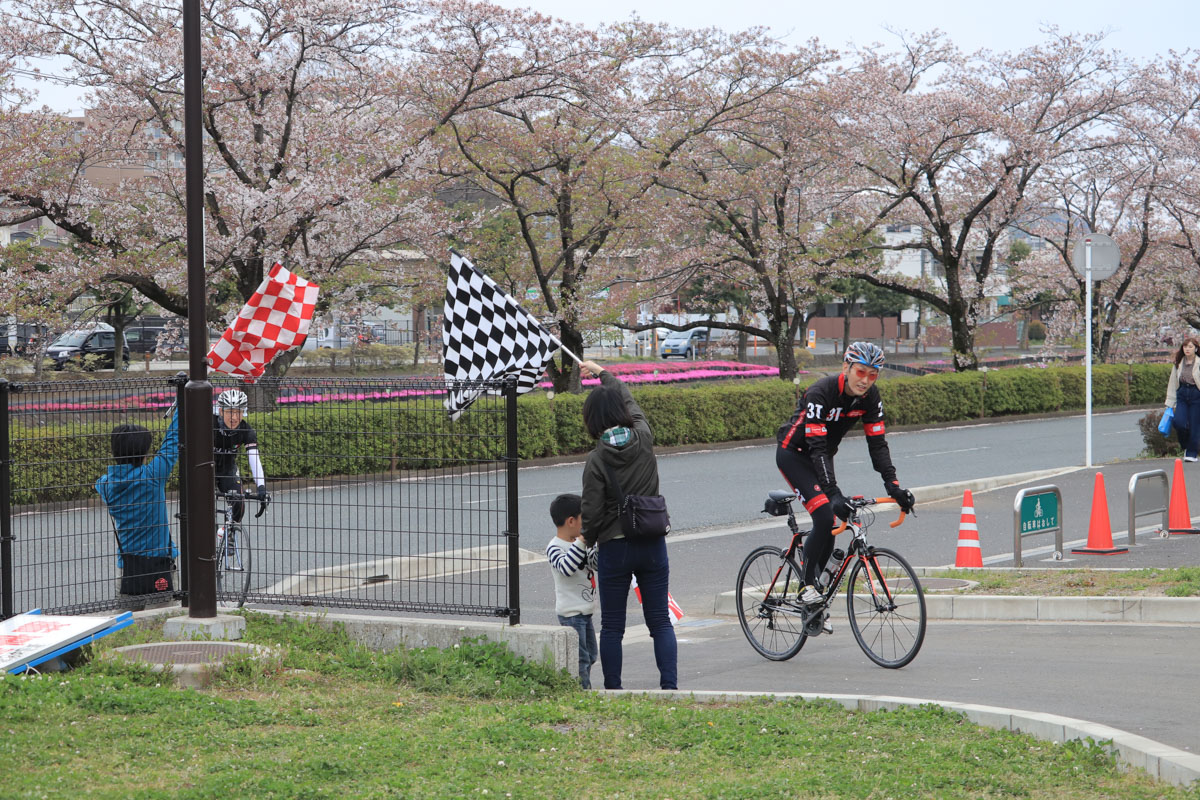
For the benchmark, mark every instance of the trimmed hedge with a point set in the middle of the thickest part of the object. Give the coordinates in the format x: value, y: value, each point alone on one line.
x: 56, y: 463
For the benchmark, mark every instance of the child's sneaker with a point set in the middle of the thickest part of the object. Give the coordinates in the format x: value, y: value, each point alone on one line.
x: 810, y: 596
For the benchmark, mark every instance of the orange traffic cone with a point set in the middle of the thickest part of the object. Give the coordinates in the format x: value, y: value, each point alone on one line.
x: 969, y: 553
x: 1100, y: 541
x: 1179, y: 518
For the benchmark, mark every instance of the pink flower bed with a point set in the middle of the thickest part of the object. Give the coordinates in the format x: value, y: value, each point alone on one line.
x: 671, y: 372
x: 633, y: 373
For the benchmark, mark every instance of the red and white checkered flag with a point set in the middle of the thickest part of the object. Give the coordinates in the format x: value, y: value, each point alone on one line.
x: 273, y: 321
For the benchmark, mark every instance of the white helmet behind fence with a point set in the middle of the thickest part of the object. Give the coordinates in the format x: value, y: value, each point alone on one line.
x: 233, y: 398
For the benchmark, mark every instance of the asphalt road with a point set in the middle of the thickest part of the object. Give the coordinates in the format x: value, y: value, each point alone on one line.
x: 727, y: 485
x: 1133, y: 677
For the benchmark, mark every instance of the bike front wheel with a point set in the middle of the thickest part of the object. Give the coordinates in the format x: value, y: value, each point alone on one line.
x: 233, y: 567
x: 768, y: 603
x: 886, y: 607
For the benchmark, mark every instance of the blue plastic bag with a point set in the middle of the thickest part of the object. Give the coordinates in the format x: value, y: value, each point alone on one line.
x: 1164, y: 424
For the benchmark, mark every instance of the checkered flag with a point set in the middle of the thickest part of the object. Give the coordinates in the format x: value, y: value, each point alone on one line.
x: 274, y: 320
x: 486, y: 336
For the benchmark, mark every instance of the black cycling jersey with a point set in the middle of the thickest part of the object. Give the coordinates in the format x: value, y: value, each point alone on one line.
x: 823, y: 415
x: 226, y: 442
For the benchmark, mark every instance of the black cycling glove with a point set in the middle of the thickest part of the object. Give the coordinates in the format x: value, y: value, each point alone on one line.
x: 903, y: 497
x: 264, y: 500
x: 838, y: 504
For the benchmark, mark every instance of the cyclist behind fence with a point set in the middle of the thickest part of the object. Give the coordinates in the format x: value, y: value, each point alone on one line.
x: 231, y: 433
x: 809, y: 441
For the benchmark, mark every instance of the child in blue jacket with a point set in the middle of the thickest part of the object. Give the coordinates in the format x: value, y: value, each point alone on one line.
x: 135, y: 492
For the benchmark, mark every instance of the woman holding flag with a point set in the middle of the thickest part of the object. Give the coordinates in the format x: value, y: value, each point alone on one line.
x: 624, y: 453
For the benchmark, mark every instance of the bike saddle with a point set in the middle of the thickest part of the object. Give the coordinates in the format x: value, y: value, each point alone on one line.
x: 777, y: 503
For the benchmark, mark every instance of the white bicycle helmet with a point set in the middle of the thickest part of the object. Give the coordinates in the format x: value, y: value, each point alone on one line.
x: 233, y: 398
x: 865, y: 353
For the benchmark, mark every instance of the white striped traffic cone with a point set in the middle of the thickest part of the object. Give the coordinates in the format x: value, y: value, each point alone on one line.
x: 969, y: 553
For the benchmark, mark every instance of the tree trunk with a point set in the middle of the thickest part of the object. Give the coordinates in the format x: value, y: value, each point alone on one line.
x: 264, y: 394
x: 564, y: 376
x: 962, y: 342
x: 960, y: 310
x: 118, y: 324
x: 845, y: 327
x: 418, y: 333
x: 743, y: 342
x: 788, y: 369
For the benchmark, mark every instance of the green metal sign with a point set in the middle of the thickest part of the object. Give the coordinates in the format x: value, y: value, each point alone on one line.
x: 1039, y: 512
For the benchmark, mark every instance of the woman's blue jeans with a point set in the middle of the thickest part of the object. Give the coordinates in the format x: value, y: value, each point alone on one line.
x: 621, y: 560
x: 1187, y: 418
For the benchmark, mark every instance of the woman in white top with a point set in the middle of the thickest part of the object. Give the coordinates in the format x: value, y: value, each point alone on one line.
x: 1183, y: 395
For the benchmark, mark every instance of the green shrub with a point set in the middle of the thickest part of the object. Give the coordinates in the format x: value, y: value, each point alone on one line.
x: 1021, y: 391
x: 1148, y: 383
x: 59, y: 462
x: 1156, y: 444
x: 932, y: 398
x: 1037, y: 331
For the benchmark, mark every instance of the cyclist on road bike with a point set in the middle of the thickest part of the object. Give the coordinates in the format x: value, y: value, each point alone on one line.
x: 231, y: 433
x: 809, y: 441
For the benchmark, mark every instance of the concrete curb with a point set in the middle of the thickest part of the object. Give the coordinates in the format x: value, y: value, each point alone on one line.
x: 1160, y: 761
x: 946, y: 491
x: 1011, y: 608
x: 554, y: 645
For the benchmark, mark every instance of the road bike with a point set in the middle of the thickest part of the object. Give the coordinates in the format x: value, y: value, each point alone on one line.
x: 234, y: 555
x: 884, y: 600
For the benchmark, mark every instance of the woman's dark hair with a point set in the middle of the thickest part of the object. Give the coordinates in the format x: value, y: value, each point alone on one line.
x: 605, y: 408
x: 1179, y: 353
x: 130, y: 444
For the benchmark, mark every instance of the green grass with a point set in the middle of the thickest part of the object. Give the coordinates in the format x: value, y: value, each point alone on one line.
x: 330, y: 719
x: 1060, y: 582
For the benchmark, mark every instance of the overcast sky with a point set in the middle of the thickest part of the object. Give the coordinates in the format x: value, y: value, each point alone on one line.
x: 1140, y: 29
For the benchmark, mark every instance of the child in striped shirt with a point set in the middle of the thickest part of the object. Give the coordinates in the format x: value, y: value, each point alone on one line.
x: 574, y: 564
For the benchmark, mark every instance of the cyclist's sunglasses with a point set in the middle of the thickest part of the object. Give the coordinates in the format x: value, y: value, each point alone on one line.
x: 863, y: 372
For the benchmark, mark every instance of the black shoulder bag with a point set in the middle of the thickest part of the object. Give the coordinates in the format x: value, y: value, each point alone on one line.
x: 642, y: 516
x: 143, y: 574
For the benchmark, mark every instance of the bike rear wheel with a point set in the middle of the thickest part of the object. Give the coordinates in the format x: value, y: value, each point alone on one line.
x: 886, y: 607
x: 233, y: 568
x: 768, y: 603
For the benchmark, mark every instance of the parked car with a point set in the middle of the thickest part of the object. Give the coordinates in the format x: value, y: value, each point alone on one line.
x: 684, y: 344
x: 346, y: 335
x: 142, y: 339
x: 98, y: 339
x: 21, y: 338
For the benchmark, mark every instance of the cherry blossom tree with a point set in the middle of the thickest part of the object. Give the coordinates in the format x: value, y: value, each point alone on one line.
x: 755, y: 198
x: 317, y: 114
x: 578, y: 167
x: 957, y: 145
x: 1116, y: 189
x: 1175, y: 100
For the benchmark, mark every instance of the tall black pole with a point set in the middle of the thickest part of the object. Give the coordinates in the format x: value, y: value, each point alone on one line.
x: 6, y: 535
x: 202, y: 576
x: 512, y: 458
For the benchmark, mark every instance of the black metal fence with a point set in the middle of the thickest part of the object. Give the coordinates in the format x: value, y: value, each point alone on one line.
x: 379, y: 501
